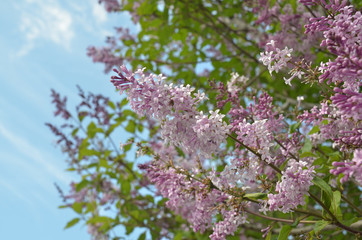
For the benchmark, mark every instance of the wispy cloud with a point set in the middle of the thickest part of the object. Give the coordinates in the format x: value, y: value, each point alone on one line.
x: 45, y: 20
x: 31, y: 152
x: 14, y: 191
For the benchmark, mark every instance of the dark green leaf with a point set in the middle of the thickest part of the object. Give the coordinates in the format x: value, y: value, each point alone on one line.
x: 142, y: 236
x: 284, y: 232
x: 324, y: 186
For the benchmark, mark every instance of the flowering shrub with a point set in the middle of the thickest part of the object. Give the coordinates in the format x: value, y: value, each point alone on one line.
x: 274, y: 157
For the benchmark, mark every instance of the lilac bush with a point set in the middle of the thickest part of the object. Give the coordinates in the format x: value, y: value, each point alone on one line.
x: 233, y: 147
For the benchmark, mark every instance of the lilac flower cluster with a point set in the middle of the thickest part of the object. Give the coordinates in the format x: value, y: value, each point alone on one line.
x: 348, y: 102
x: 107, y: 54
x: 343, y: 38
x: 276, y: 59
x: 292, y: 188
x: 60, y: 105
x: 186, y: 197
x: 350, y: 169
x: 111, y: 5
x: 232, y: 220
x: 257, y: 136
x: 342, y: 129
x: 175, y: 108
x: 236, y: 83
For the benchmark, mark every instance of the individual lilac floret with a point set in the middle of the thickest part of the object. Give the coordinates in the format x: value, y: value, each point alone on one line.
x: 175, y: 108
x: 228, y: 226
x: 294, y: 184
x: 276, y: 59
x: 350, y: 169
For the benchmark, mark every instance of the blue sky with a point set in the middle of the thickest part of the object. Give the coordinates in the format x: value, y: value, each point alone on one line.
x: 43, y: 45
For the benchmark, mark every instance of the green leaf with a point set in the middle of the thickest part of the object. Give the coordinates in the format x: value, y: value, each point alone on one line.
x: 142, y: 236
x: 315, y: 129
x: 324, y: 186
x: 318, y: 226
x: 268, y: 237
x: 81, y: 116
x: 71, y: 223
x: 91, y: 206
x: 81, y: 185
x: 284, y: 232
x: 74, y: 132
x: 77, y: 207
x: 112, y: 127
x: 91, y: 126
x: 335, y: 206
x: 326, y: 195
x: 348, y: 222
x: 104, y: 163
x: 178, y: 236
x: 131, y: 127
x: 111, y: 105
x: 129, y: 229
x: 126, y: 187
x: 100, y: 219
x: 255, y: 195
x: 92, y: 129
x: 307, y: 146
x: 123, y: 102
x: 294, y: 127
x: 307, y: 154
x: 324, y: 122
x: 87, y: 152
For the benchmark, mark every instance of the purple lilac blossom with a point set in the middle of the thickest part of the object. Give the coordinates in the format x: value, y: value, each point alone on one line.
x: 175, y: 108
x: 60, y: 105
x: 107, y: 54
x: 292, y: 188
x: 275, y: 59
x: 350, y: 169
x: 348, y: 103
x: 344, y: 131
x: 110, y: 5
x: 342, y: 37
x: 231, y: 222
x: 257, y: 136
x: 185, y: 196
x: 236, y: 83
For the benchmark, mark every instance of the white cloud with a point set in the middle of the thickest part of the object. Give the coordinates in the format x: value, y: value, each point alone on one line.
x: 45, y: 20
x: 99, y: 13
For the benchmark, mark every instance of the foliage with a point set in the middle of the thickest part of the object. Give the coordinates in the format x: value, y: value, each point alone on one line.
x: 279, y: 155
